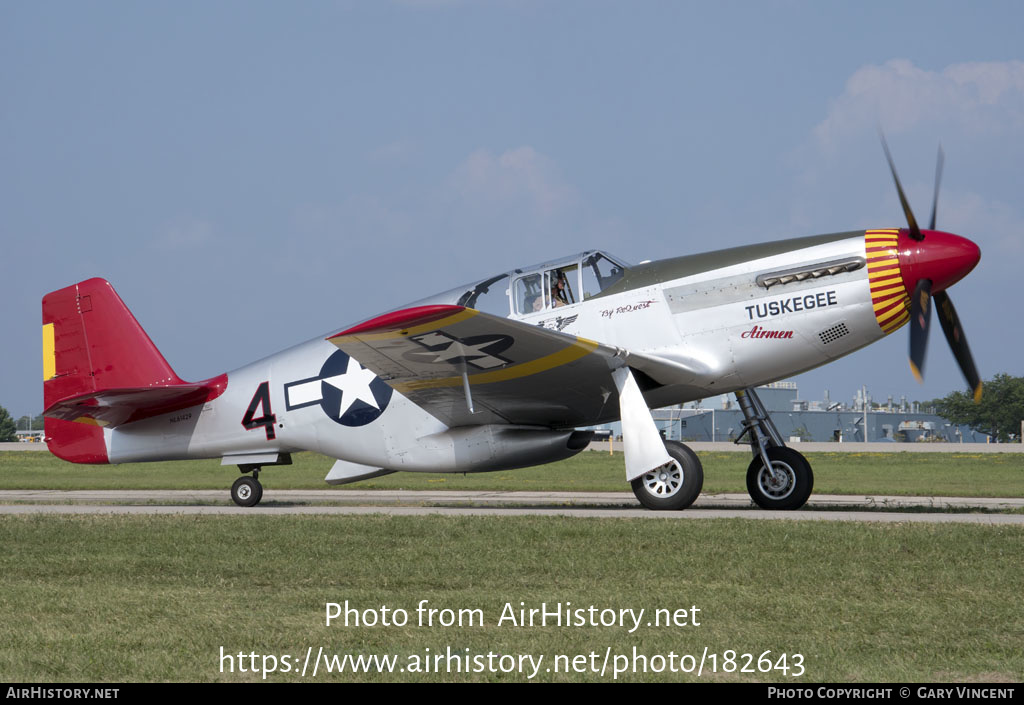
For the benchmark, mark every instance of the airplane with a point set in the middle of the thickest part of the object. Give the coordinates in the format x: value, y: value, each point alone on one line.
x: 515, y: 370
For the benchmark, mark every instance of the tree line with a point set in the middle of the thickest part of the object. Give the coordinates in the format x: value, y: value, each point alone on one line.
x: 998, y: 414
x: 9, y: 427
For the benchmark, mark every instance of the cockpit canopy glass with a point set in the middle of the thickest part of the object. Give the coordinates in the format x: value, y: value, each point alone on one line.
x: 489, y: 296
x: 529, y: 294
x: 563, y: 283
x: 599, y: 273
x: 541, y: 287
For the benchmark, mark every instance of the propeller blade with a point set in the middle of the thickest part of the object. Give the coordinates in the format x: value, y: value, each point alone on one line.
x: 938, y: 180
x: 958, y: 342
x: 920, y: 320
x: 915, y: 232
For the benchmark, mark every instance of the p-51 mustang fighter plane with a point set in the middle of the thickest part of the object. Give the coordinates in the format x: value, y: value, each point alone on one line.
x: 508, y: 371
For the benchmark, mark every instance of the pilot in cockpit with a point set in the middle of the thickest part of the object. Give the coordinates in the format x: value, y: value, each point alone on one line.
x: 560, y: 291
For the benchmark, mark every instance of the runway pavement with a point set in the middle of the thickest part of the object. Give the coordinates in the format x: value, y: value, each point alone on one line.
x: 469, y: 503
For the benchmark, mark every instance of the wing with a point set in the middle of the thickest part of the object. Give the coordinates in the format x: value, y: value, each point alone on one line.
x: 467, y: 367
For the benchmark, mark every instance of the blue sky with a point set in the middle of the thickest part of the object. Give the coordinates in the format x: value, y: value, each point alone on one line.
x: 252, y: 174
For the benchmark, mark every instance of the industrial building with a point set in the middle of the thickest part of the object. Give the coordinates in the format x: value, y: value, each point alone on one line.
x: 899, y: 421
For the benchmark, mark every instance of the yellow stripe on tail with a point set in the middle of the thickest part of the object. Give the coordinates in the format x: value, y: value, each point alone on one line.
x: 49, y: 356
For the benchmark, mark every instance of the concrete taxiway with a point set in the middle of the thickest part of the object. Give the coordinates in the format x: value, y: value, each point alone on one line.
x: 494, y: 503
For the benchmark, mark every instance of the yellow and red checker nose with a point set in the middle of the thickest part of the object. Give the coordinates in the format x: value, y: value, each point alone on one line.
x: 897, y: 262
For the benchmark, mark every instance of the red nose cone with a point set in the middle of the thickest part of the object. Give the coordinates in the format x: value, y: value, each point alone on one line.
x: 942, y: 257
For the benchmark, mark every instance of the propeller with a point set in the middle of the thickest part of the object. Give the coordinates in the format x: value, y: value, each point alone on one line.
x: 922, y: 298
x: 915, y: 232
x: 939, y: 161
x: 958, y: 342
x: 920, y: 320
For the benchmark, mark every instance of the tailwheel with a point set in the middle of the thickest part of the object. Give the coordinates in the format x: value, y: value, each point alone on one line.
x: 247, y: 491
x: 673, y: 486
x: 786, y: 486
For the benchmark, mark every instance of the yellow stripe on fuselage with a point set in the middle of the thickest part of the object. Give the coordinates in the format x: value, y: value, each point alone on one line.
x: 574, y: 352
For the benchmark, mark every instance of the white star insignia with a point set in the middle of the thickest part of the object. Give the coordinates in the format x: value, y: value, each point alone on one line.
x: 354, y: 385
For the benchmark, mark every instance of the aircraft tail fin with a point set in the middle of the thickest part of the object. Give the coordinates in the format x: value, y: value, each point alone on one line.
x: 100, y: 369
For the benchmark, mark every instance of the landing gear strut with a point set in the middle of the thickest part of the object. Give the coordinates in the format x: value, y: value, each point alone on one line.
x: 778, y: 477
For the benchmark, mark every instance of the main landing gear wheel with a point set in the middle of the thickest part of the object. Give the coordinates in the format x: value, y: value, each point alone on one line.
x: 788, y: 487
x: 247, y: 491
x: 673, y: 486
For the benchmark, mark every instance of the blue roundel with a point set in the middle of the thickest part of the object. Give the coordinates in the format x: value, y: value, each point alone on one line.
x: 351, y: 394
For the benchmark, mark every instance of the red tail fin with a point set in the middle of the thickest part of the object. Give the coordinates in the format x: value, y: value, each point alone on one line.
x: 101, y: 369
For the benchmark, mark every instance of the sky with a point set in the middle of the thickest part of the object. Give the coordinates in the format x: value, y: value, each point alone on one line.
x: 252, y: 174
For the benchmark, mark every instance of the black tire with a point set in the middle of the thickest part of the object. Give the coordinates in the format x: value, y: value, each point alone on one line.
x: 675, y: 487
x: 247, y: 491
x: 793, y: 486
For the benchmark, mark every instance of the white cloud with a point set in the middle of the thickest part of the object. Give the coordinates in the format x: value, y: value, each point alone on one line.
x: 975, y: 109
x: 997, y: 227
x: 517, y: 177
x: 976, y: 97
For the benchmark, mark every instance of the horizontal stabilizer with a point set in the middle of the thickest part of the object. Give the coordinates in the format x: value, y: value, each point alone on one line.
x: 113, y: 407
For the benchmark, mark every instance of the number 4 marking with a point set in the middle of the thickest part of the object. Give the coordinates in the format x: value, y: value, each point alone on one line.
x: 260, y: 398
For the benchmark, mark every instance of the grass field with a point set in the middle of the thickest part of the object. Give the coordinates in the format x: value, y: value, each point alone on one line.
x: 128, y: 599
x: 155, y: 598
x: 923, y: 474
